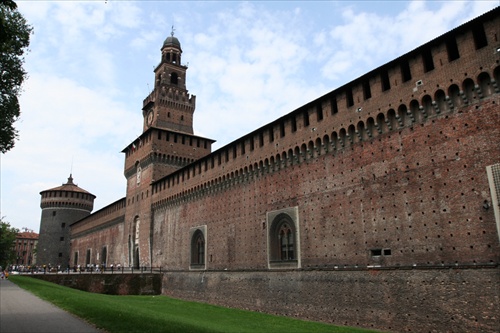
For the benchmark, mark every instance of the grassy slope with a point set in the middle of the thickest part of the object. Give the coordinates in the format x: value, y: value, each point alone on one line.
x: 163, y: 314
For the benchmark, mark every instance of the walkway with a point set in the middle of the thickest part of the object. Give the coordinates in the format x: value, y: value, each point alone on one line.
x: 21, y: 311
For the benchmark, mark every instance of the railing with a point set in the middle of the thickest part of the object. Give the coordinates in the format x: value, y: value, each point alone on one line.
x: 93, y: 270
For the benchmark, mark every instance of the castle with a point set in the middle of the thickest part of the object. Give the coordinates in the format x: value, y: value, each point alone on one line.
x: 375, y: 205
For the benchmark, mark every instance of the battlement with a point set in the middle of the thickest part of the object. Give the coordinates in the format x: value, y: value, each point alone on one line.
x: 172, y: 98
x: 451, y: 72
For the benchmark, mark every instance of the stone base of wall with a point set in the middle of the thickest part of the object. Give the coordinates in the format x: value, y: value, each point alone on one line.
x: 112, y: 284
x: 395, y: 300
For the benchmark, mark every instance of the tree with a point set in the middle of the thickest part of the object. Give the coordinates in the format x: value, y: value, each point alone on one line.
x: 7, y: 238
x: 14, y: 41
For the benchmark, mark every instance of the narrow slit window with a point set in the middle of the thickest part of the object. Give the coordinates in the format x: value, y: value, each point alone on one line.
x: 349, y: 97
x: 428, y: 61
x: 386, y: 84
x: 405, y: 71
x: 334, y: 107
x: 452, y: 49
x: 367, y: 93
x: 479, y: 36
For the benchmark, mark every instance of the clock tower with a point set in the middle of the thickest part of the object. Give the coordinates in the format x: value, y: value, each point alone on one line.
x: 170, y: 106
x: 166, y: 144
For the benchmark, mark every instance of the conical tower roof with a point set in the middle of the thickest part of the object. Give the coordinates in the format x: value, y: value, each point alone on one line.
x: 69, y: 187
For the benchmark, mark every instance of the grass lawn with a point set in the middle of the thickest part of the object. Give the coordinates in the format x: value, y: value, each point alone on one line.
x: 163, y: 314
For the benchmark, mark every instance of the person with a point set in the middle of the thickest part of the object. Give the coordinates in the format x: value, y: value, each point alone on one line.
x: 3, y: 275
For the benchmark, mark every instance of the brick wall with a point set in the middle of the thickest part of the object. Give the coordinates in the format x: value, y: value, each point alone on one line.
x: 418, y: 192
x: 414, y: 300
x: 111, y: 284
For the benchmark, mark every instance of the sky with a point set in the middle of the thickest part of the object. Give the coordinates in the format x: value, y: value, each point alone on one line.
x: 90, y: 66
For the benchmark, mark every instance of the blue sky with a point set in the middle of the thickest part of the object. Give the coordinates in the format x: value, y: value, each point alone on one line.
x: 91, y: 65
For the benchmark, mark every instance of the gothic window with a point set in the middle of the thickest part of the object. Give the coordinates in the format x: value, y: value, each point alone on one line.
x: 285, y: 237
x: 198, y: 246
x: 283, y: 245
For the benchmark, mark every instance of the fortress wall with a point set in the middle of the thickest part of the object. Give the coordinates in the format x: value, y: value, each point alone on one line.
x: 418, y: 193
x: 99, y: 245
x: 106, y: 214
x: 414, y: 300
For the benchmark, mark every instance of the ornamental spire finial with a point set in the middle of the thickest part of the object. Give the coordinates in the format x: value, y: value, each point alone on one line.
x: 172, y: 33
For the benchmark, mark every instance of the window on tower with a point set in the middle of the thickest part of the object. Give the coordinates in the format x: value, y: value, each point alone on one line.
x: 174, y: 78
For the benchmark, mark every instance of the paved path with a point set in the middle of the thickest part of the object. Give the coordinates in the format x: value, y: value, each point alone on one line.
x: 21, y: 311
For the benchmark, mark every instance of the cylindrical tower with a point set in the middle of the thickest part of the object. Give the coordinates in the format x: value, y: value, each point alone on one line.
x: 61, y: 206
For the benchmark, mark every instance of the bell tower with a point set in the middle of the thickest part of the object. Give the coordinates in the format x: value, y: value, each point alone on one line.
x: 170, y: 106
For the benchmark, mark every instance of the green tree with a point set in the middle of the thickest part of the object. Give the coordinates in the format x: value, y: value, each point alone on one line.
x: 7, y: 238
x: 14, y: 41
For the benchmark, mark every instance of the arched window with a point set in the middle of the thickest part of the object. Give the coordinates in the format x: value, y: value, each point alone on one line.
x: 283, y: 244
x: 198, y: 248
x: 104, y: 255
x: 286, y: 241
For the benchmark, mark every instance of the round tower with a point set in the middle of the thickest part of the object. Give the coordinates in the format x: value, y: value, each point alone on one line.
x: 61, y: 206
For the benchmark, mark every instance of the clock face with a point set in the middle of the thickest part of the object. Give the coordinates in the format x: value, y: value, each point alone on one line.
x: 150, y: 118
